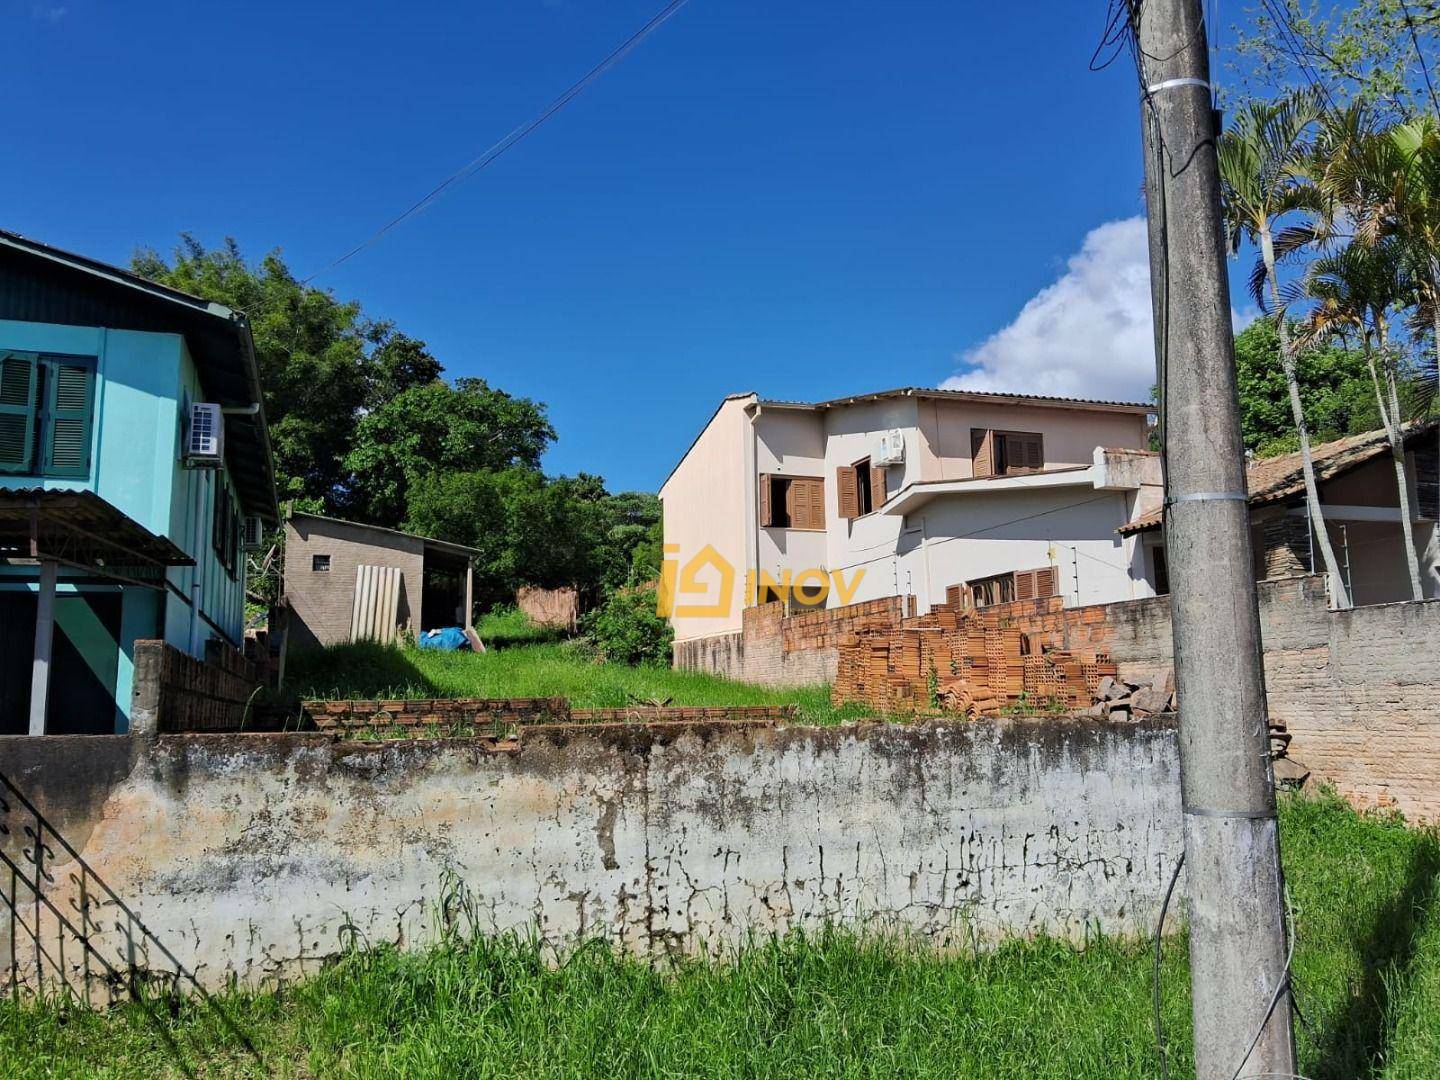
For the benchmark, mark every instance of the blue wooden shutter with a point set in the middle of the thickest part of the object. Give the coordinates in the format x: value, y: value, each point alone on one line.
x: 17, y: 412
x: 70, y: 386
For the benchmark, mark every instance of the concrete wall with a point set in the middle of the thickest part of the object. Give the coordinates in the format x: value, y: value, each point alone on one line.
x: 259, y: 856
x: 1071, y: 529
x: 322, y: 601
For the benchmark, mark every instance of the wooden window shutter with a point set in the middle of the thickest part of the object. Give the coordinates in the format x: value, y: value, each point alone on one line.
x: 1034, y: 452
x: 954, y: 595
x: 982, y: 451
x: 877, y: 486
x: 219, y: 514
x: 17, y: 412
x: 68, y: 396
x: 766, y: 517
x: 847, y: 491
x: 811, y: 502
x: 1024, y: 584
x: 1045, y: 581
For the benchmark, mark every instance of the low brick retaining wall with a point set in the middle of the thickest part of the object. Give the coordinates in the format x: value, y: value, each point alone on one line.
x: 463, y: 715
x: 173, y: 692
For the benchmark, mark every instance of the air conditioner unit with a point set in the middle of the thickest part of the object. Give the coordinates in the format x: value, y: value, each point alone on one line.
x: 252, y: 533
x: 889, y: 448
x: 205, y: 438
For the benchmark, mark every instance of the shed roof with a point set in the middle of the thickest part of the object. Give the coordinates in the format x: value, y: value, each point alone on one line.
x: 40, y: 283
x: 1282, y: 478
x: 442, y: 547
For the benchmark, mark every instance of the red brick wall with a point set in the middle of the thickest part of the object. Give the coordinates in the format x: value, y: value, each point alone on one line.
x: 786, y: 650
x: 1358, y: 690
x: 463, y: 716
x: 175, y: 692
x: 1037, y: 649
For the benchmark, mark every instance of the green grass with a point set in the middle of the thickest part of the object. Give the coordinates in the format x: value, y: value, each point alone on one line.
x: 507, y: 627
x: 1367, y: 967
x: 562, y: 669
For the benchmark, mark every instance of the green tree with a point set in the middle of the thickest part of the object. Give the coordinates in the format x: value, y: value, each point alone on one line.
x: 631, y: 530
x: 1359, y: 290
x: 1334, y: 386
x: 320, y: 360
x: 529, y: 529
x: 627, y: 630
x: 1362, y: 50
x: 438, y: 428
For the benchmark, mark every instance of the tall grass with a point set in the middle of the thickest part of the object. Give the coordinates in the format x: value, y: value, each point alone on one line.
x: 834, y: 1004
x: 564, y: 669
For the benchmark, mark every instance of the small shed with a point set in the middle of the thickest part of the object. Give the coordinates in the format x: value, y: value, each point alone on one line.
x: 347, y: 581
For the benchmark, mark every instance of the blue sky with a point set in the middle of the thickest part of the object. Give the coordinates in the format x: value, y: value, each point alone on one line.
x: 807, y: 199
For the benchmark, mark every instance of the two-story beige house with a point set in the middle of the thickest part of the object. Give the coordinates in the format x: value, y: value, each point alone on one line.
x: 935, y: 494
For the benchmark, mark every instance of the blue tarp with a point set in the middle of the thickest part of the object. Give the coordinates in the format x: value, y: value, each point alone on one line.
x: 450, y: 639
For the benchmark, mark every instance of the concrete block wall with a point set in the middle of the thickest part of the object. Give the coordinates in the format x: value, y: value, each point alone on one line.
x: 259, y: 857
x: 322, y: 602
x: 1358, y: 690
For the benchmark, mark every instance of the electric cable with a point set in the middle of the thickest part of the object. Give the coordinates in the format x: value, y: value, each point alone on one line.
x: 510, y: 140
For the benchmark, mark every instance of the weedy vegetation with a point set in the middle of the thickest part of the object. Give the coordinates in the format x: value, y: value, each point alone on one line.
x: 1367, y: 972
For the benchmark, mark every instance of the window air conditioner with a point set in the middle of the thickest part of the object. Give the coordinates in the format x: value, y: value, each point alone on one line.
x: 889, y: 448
x: 252, y: 533
x: 205, y: 439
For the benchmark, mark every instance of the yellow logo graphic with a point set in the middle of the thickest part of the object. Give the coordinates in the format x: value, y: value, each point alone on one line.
x: 709, y: 574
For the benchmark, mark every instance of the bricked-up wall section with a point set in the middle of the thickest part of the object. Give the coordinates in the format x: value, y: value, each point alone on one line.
x: 173, y: 692
x: 786, y: 650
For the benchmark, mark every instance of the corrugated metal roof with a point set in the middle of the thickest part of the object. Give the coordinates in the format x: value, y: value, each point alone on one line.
x: 80, y: 528
x: 994, y: 396
x: 443, y: 546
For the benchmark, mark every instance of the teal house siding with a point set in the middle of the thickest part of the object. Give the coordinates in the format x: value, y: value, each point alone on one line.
x: 144, y: 383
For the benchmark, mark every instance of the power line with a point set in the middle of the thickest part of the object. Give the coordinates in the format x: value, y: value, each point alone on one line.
x: 514, y: 137
x: 1420, y: 55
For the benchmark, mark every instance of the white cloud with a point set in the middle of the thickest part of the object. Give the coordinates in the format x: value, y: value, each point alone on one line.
x: 1086, y: 335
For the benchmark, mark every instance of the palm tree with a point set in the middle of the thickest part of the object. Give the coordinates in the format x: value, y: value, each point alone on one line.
x: 1261, y: 159
x: 1358, y: 291
x: 1415, y: 147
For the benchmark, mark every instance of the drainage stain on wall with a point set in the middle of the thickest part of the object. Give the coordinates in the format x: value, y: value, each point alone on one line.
x: 257, y: 857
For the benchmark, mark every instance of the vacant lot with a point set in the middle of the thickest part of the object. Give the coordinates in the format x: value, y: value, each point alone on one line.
x: 1367, y: 970
x: 528, y: 665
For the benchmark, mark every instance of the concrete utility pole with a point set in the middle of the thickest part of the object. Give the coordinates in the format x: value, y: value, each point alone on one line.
x: 1238, y: 949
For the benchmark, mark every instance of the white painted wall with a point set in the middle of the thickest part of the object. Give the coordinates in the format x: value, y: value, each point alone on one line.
x: 1072, y: 529
x: 709, y: 500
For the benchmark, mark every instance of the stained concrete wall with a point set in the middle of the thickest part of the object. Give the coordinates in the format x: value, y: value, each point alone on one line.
x: 256, y: 857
